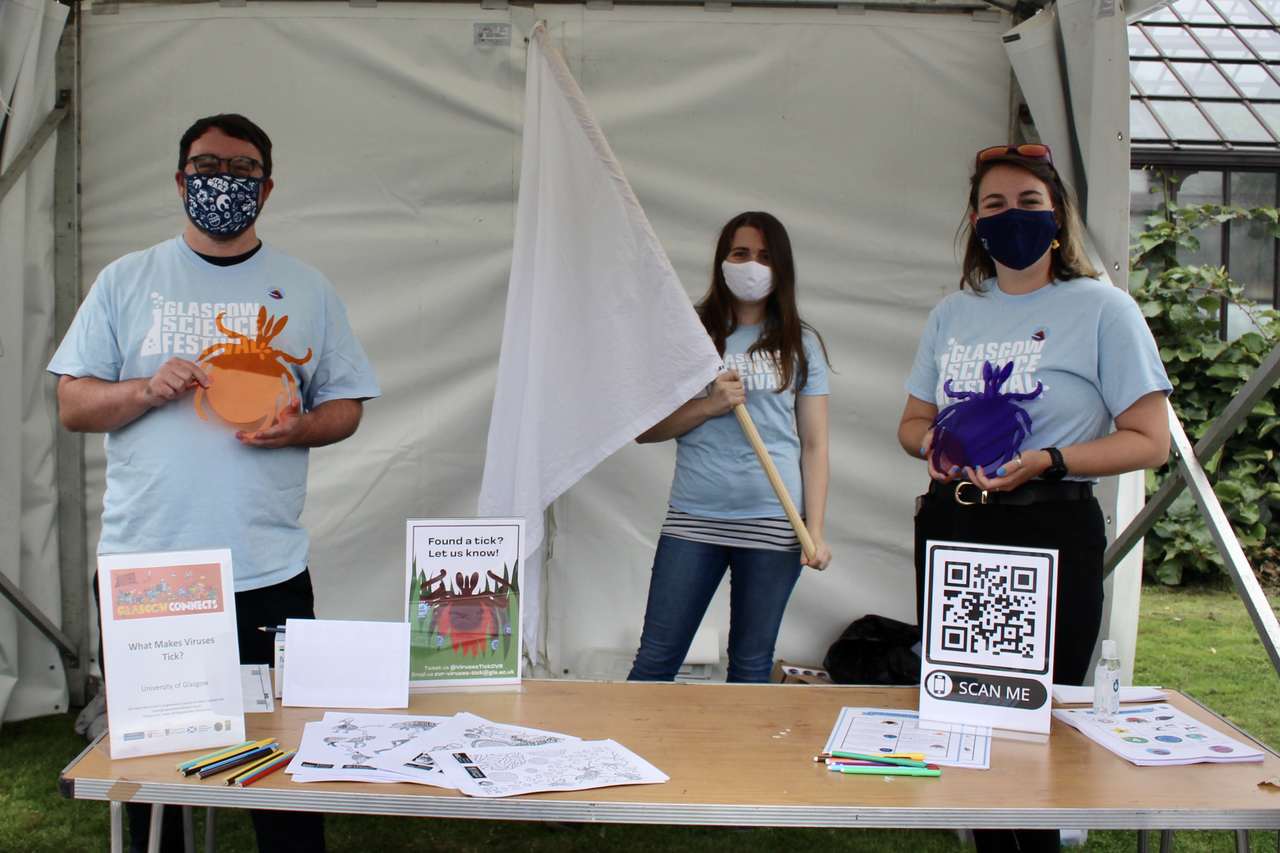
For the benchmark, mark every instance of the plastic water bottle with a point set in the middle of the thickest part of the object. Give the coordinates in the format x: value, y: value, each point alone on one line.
x: 1106, y: 683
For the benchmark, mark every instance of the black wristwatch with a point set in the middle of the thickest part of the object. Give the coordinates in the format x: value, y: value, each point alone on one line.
x: 1057, y: 468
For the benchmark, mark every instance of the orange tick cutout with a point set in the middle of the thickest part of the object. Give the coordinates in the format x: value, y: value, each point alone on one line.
x: 250, y: 381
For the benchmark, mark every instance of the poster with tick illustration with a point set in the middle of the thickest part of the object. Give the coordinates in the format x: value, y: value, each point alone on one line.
x: 987, y: 656
x: 173, y: 660
x: 251, y: 382
x: 462, y: 601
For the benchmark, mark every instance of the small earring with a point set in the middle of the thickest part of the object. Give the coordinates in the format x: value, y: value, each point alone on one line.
x: 1055, y: 244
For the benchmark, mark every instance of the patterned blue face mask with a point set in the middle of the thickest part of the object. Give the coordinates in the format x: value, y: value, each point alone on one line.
x: 222, y: 205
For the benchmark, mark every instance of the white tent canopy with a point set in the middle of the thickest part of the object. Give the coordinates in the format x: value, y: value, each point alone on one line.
x: 397, y: 141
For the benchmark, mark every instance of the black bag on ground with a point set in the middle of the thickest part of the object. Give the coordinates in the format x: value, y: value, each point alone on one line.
x: 875, y: 650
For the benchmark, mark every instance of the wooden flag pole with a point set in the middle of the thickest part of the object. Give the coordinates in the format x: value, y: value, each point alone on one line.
x: 775, y: 480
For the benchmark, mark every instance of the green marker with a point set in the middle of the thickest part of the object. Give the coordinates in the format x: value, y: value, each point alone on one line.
x: 859, y: 770
x: 883, y: 759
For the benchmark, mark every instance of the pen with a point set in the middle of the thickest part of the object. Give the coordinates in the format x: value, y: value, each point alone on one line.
x: 883, y: 759
x: 271, y: 629
x: 886, y: 771
x: 853, y: 762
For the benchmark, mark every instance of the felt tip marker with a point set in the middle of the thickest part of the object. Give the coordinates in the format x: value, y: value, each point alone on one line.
x: 886, y: 771
x: 883, y: 759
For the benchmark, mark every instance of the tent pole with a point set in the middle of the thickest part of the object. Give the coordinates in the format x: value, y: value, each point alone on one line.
x: 69, y: 446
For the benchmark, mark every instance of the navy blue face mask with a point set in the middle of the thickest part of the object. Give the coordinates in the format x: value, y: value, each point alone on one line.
x: 222, y: 205
x: 1017, y: 238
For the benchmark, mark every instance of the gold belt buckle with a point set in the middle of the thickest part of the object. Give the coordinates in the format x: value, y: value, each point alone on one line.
x: 982, y: 495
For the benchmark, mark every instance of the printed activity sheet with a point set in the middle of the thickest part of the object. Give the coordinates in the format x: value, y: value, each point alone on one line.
x: 572, y: 766
x: 1159, y: 734
x: 463, y: 731
x: 343, y: 746
x: 880, y: 731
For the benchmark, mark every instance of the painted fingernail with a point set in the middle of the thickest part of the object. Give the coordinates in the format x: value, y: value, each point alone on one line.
x: 1000, y: 471
x: 922, y: 450
x: 954, y: 468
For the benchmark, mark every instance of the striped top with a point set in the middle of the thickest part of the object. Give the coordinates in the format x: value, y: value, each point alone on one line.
x: 771, y: 534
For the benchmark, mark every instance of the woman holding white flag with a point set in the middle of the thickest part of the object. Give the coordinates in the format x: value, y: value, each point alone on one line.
x: 723, y: 512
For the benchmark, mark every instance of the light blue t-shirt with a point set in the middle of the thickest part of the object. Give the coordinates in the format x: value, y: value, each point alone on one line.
x: 1086, y: 341
x: 717, y: 473
x: 174, y: 480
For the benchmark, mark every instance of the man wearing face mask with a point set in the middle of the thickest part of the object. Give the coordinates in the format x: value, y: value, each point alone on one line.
x: 139, y: 348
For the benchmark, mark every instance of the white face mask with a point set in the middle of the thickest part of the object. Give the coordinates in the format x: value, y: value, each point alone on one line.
x: 749, y: 282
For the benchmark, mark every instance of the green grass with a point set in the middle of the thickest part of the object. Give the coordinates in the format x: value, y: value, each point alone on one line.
x: 1199, y: 641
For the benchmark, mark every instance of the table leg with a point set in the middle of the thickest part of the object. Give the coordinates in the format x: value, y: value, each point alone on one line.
x: 1166, y: 841
x: 1242, y: 841
x: 1142, y: 841
x: 209, y: 830
x: 117, y: 827
x: 153, y: 836
x: 188, y: 830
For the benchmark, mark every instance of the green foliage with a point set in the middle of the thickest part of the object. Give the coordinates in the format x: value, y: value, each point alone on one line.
x: 1183, y: 306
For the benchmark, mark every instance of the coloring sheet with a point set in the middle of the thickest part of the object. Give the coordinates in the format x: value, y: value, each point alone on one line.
x: 880, y: 731
x: 343, y: 746
x: 573, y: 766
x: 1158, y: 734
x: 463, y: 731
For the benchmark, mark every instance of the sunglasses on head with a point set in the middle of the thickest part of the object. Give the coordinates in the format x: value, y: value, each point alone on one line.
x: 1029, y: 150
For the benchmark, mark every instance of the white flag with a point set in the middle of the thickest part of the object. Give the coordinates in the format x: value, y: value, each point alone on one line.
x: 600, y: 341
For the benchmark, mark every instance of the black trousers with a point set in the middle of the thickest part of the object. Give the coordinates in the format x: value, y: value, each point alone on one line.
x: 277, y: 831
x: 1078, y: 530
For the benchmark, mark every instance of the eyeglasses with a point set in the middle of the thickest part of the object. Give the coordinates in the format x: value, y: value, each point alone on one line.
x: 211, y: 164
x: 1029, y: 150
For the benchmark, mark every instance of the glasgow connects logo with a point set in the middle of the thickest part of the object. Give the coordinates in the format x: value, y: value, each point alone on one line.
x: 166, y: 591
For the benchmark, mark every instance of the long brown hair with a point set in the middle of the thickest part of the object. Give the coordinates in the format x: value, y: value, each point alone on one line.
x: 1067, y: 261
x: 783, y: 328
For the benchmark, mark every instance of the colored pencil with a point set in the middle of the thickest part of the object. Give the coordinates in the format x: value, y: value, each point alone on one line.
x: 887, y: 771
x: 263, y: 772
x: 221, y: 753
x: 916, y: 756
x: 898, y: 762
x: 235, y: 761
x: 200, y: 764
x: 252, y: 766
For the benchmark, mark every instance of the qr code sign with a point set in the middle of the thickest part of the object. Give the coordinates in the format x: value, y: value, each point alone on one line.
x: 990, y: 609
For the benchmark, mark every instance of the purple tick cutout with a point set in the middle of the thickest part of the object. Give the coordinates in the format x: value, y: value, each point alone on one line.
x: 982, y: 429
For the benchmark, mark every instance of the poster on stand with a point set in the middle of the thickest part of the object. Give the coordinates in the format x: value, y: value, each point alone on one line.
x: 172, y: 660
x: 987, y: 655
x: 462, y: 601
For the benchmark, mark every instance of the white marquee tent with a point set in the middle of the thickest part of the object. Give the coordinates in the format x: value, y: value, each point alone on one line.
x: 397, y: 138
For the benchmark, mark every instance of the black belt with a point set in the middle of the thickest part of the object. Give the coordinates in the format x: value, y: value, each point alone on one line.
x: 1037, y: 491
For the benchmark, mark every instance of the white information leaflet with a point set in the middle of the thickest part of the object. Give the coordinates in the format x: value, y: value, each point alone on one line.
x: 987, y: 658
x: 172, y: 661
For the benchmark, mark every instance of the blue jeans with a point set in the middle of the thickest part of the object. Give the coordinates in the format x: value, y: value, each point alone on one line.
x: 685, y: 577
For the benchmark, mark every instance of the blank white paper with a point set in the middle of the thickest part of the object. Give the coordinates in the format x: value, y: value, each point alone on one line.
x: 346, y: 664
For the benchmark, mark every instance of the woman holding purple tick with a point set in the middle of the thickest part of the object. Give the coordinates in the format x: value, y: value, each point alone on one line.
x: 1030, y: 383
